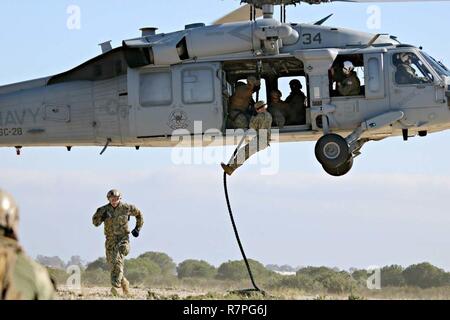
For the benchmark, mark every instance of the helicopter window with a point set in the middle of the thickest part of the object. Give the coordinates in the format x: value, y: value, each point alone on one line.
x: 198, y: 85
x: 155, y: 89
x: 374, y: 83
x: 410, y: 69
x: 437, y: 65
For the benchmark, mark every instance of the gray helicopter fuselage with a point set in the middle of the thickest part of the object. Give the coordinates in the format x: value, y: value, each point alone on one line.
x: 157, y: 87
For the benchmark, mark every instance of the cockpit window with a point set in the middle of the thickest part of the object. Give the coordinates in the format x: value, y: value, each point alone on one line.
x: 410, y: 69
x: 437, y: 65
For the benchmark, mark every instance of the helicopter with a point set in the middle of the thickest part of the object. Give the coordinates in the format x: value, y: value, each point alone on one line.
x: 159, y: 86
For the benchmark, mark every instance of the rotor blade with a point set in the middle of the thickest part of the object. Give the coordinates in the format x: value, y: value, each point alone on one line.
x: 260, y: 3
x: 365, y: 1
x: 241, y: 14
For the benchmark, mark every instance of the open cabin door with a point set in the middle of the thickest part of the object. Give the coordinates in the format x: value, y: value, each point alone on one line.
x: 178, y: 97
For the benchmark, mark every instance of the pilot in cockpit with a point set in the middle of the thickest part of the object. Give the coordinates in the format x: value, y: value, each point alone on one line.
x: 405, y: 73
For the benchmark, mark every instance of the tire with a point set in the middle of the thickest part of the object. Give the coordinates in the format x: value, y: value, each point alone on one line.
x: 332, y: 151
x: 340, y: 171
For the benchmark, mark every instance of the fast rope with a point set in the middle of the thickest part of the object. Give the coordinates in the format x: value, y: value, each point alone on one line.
x: 236, y: 233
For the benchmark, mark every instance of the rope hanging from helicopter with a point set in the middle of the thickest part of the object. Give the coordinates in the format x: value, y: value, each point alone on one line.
x: 230, y: 211
x: 236, y: 233
x: 259, y: 69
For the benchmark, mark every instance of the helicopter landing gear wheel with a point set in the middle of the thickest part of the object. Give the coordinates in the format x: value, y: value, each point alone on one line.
x: 332, y: 151
x: 340, y: 171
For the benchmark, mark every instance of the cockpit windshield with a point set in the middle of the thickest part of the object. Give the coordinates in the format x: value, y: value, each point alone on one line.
x: 437, y: 65
x: 410, y: 69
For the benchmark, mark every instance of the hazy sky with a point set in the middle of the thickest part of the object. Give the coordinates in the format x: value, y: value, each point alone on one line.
x: 392, y: 208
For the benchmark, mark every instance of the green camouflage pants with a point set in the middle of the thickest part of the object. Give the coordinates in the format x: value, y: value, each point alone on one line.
x: 117, y: 248
x: 244, y: 153
x: 237, y: 120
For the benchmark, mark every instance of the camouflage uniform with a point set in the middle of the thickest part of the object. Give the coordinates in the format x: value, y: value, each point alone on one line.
x: 237, y: 119
x: 406, y: 75
x: 261, y: 121
x: 240, y: 101
x: 20, y: 277
x: 117, y: 236
x: 350, y: 86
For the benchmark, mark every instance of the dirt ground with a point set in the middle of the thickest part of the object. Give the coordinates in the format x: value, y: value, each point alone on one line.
x: 98, y: 293
x: 174, y: 293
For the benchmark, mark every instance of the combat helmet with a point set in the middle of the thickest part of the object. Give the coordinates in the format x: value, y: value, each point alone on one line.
x: 9, y: 215
x: 296, y: 84
x: 348, y: 67
x: 113, y: 193
x: 260, y: 104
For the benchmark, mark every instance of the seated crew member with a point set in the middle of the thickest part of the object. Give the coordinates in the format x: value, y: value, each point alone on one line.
x: 405, y: 73
x: 278, y: 109
x: 238, y: 115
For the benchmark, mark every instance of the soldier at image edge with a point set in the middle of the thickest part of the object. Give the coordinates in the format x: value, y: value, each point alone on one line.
x: 115, y: 217
x: 21, y: 278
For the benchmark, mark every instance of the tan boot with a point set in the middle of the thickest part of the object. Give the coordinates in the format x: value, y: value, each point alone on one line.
x: 228, y: 169
x: 114, y: 292
x: 125, y: 287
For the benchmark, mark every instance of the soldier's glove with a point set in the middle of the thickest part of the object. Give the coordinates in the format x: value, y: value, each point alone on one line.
x: 106, y: 215
x: 135, y: 233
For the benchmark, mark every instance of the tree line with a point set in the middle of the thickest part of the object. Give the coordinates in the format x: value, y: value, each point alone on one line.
x: 156, y: 268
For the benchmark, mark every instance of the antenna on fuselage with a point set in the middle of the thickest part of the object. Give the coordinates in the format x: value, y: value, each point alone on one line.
x: 283, y: 13
x: 268, y: 10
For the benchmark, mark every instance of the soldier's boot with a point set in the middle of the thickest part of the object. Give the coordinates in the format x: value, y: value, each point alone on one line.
x: 114, y: 292
x: 228, y: 169
x: 126, y: 287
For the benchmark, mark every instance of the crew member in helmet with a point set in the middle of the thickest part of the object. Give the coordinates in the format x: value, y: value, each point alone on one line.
x: 20, y: 277
x: 406, y: 74
x: 278, y: 109
x: 350, y: 85
x: 297, y: 104
x: 115, y: 217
